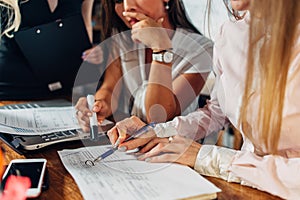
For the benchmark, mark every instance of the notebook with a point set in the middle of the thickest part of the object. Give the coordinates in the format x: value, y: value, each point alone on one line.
x: 23, y: 144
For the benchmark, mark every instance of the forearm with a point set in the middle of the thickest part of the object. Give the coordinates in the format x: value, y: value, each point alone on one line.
x: 160, y: 101
x: 110, y: 88
x: 87, y: 6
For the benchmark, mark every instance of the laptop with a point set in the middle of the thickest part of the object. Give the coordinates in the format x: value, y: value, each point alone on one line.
x: 24, y: 144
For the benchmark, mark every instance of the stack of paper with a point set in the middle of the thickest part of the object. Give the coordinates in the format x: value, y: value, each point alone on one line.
x: 37, y: 121
x: 122, y: 176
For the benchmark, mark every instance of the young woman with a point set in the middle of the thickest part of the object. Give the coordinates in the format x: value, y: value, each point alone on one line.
x: 140, y: 82
x: 19, y: 79
x: 257, y: 66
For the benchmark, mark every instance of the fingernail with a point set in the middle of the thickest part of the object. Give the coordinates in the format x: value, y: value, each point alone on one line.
x: 122, y: 148
x: 90, y: 114
x: 147, y: 159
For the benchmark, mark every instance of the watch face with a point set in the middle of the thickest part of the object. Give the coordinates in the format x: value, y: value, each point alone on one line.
x: 168, y: 57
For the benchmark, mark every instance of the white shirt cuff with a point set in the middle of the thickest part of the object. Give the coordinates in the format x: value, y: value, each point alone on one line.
x: 215, y: 161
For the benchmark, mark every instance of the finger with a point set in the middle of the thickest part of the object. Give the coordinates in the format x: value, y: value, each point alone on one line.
x: 162, y: 148
x: 83, y: 122
x: 156, y: 150
x: 129, y: 125
x: 135, y: 143
x: 113, y: 135
x: 85, y: 129
x: 160, y: 21
x: 95, y: 56
x: 136, y: 15
x: 86, y: 53
x: 82, y: 107
x: 151, y: 144
x: 137, y: 121
x: 83, y: 119
x: 163, y: 158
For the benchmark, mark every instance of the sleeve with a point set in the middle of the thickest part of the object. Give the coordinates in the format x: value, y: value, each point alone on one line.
x: 274, y: 174
x: 192, y: 53
x: 215, y: 161
x: 202, y: 122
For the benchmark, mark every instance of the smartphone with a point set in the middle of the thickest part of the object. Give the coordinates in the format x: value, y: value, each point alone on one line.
x: 32, y: 168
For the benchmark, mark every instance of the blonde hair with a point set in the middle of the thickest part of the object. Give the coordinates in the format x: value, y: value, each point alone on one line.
x: 273, y: 29
x: 12, y: 17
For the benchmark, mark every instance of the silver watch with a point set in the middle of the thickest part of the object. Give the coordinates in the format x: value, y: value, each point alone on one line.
x: 165, y: 56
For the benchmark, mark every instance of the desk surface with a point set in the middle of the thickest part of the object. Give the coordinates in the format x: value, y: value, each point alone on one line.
x: 62, y: 185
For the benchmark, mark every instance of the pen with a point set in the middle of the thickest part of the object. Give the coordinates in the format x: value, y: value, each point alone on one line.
x: 137, y: 133
x: 93, y: 118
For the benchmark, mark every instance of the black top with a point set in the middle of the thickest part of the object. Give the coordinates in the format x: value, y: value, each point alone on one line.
x: 18, y: 80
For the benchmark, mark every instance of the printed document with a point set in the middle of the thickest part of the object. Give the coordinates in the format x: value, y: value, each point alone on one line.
x: 122, y: 176
x: 38, y: 121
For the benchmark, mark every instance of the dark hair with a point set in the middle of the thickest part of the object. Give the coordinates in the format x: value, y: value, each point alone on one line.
x: 178, y: 16
x: 109, y: 20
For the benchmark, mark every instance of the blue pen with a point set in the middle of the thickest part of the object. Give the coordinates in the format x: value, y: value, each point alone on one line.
x: 138, y: 133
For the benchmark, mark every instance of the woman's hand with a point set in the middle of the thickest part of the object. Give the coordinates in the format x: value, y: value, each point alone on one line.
x: 173, y: 149
x: 93, y: 55
x: 125, y: 128
x: 148, y: 31
x: 83, y: 112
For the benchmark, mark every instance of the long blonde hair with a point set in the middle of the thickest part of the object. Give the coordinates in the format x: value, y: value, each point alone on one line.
x: 12, y: 17
x: 273, y: 29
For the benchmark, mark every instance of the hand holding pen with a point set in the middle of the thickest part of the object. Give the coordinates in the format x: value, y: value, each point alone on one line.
x: 93, y: 118
x: 136, y: 134
x: 83, y: 112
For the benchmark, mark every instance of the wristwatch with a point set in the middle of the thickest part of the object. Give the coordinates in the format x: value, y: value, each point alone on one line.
x: 165, y: 56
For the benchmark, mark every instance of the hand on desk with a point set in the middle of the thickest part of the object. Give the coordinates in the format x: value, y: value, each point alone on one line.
x: 125, y: 128
x: 173, y: 149
x: 83, y: 112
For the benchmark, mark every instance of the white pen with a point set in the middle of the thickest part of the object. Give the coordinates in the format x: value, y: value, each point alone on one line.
x: 93, y: 119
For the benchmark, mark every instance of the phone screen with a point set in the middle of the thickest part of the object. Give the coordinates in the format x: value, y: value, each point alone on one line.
x: 32, y: 170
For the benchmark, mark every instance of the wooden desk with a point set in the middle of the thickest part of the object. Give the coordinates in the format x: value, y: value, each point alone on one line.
x: 62, y: 185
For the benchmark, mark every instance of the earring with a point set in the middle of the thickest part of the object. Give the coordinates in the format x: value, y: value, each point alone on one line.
x: 167, y: 7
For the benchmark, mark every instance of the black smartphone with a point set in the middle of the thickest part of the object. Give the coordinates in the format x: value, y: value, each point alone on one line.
x: 32, y: 168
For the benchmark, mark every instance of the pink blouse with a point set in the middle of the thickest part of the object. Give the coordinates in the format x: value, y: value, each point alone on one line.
x: 278, y: 175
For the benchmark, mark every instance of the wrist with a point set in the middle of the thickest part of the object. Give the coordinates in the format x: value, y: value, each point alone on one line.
x: 164, y: 56
x: 159, y: 50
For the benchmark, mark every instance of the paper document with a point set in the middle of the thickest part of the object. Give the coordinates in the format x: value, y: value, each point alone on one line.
x: 122, y: 176
x: 38, y: 121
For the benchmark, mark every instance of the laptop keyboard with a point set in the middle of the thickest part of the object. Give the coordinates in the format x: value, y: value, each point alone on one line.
x: 59, y: 135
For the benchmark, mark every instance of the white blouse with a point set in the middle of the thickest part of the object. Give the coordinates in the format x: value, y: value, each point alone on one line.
x: 278, y: 175
x: 192, y: 54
